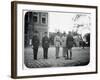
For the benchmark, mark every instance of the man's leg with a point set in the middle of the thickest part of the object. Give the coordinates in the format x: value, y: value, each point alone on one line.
x: 35, y: 53
x: 67, y: 53
x: 44, y: 52
x: 57, y: 52
x: 63, y: 52
x: 46, y: 55
x: 70, y: 53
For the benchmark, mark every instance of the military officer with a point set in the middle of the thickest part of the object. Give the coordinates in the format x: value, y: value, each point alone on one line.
x: 35, y: 43
x: 45, y: 45
x: 57, y: 43
x: 64, y: 47
x: 69, y: 44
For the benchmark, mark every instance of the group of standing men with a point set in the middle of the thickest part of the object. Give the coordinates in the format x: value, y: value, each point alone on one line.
x: 66, y: 42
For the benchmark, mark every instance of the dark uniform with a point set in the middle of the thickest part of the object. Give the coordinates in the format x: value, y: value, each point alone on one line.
x: 45, y: 45
x: 69, y: 45
x: 35, y: 42
x: 69, y: 42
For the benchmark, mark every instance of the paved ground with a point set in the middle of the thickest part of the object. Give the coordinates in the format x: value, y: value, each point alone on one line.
x: 80, y: 58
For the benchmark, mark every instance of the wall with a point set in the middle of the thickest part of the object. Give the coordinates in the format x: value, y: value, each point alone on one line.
x: 5, y: 40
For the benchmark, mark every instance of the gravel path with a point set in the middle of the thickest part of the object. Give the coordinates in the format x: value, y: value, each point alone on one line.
x: 80, y: 58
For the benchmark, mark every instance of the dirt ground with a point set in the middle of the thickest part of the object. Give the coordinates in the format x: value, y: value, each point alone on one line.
x: 80, y: 57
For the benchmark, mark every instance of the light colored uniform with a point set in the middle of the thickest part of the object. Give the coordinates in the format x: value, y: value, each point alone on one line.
x: 64, y: 45
x: 57, y: 43
x: 63, y: 42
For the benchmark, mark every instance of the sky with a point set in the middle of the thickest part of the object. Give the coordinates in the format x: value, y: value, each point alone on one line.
x: 64, y: 22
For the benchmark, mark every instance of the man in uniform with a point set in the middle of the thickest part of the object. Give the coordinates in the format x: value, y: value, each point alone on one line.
x: 57, y: 43
x: 35, y: 43
x: 64, y: 47
x: 69, y: 44
x: 45, y: 45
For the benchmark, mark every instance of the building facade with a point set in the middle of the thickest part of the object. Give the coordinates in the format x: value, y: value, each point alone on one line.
x: 35, y: 21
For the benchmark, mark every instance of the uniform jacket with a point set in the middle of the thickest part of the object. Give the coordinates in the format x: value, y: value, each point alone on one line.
x: 35, y: 41
x: 69, y: 41
x: 63, y: 41
x: 45, y: 42
x: 57, y: 41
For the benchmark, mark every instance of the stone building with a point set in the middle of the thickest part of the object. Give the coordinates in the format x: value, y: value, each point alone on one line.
x: 35, y: 21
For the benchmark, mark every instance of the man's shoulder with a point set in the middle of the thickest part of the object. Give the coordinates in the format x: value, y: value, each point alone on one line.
x: 46, y: 37
x: 34, y: 35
